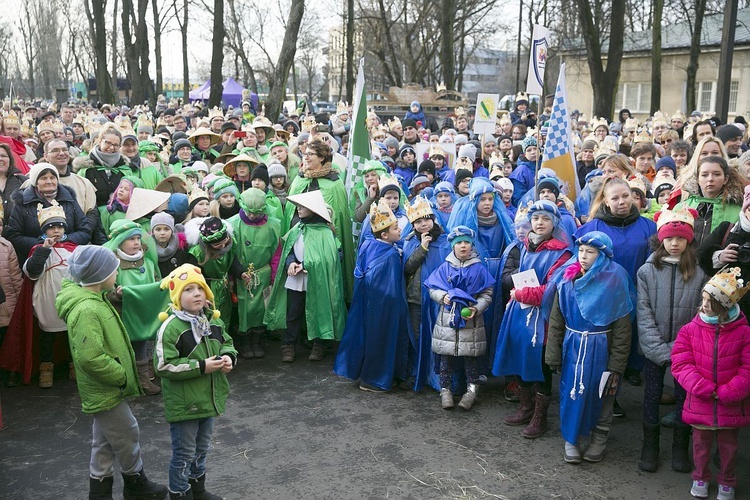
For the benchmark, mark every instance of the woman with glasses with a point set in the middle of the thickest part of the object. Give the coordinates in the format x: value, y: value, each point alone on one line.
x: 105, y: 166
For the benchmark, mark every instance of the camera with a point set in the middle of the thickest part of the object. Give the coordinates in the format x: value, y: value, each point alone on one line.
x: 743, y: 253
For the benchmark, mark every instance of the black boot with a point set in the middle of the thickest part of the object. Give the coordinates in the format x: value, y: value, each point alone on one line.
x: 100, y: 489
x: 650, y: 452
x: 244, y: 346
x: 257, y: 343
x: 680, y: 445
x: 138, y: 487
x: 198, y: 487
x: 188, y: 495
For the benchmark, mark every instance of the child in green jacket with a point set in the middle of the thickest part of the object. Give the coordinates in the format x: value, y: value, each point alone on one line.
x: 105, y: 371
x: 193, y: 356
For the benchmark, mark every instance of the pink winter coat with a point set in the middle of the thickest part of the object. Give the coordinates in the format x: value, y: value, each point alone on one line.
x: 714, y: 358
x: 10, y: 279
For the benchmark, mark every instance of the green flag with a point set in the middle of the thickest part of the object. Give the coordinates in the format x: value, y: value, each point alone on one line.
x: 359, y: 142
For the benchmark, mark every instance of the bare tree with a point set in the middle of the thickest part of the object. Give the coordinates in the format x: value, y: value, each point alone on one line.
x: 28, y: 28
x: 182, y: 21
x: 286, y: 59
x: 95, y: 10
x: 217, y: 55
x: 137, y: 52
x: 604, y: 82
x: 235, y: 41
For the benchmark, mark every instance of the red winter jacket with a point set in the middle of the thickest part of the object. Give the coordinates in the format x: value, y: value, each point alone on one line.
x: 714, y: 358
x: 533, y: 294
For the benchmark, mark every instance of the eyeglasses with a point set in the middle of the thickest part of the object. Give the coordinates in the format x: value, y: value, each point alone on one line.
x: 110, y: 144
x: 309, y: 153
x: 58, y: 151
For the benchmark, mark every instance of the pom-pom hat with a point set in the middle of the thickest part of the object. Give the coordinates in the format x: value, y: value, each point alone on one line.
x: 676, y: 223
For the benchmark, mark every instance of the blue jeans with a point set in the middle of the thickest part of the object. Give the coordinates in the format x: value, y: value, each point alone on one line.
x: 191, y: 440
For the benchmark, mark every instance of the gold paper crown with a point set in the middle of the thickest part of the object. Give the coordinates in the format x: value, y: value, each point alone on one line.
x: 419, y: 209
x: 727, y: 287
x: 27, y: 129
x: 215, y: 113
x: 381, y: 216
x: 54, y: 211
x: 196, y: 194
x: 631, y: 124
x: 92, y: 127
x: 145, y: 121
x: 599, y: 122
x: 636, y: 183
x: 523, y: 212
x: 58, y: 127
x: 308, y: 123
x: 688, y: 130
x: 11, y: 118
x: 341, y: 108
x: 45, y: 126
x: 495, y: 158
x: 610, y: 143
x: 681, y: 215
x: 504, y: 119
x: 531, y: 132
x: 395, y: 122
x: 387, y: 180
x: 122, y: 122
x: 582, y: 119
x: 659, y: 118
x: 435, y: 151
x: 643, y: 135
x: 459, y: 111
x: 678, y: 116
x: 496, y: 172
x: 380, y: 129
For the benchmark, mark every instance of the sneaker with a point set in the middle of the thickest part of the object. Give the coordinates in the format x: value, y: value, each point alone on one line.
x: 511, y: 391
x: 700, y: 489
x: 617, y: 410
x: 668, y: 419
x: 364, y: 386
x: 287, y: 353
x: 572, y: 453
x: 725, y: 493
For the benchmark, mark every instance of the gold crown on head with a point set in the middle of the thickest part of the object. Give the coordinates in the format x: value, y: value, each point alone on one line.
x: 11, y: 118
x: 54, y: 211
x: 145, y: 121
x: 45, y: 126
x: 395, y: 122
x: 58, y: 127
x: 381, y: 216
x: 342, y: 108
x: 523, y: 212
x: 531, y: 132
x: 636, y: 183
x: 643, y: 135
x: 678, y: 116
x: 419, y: 209
x: 308, y: 123
x: 215, y: 112
x: 630, y: 124
x: 459, y: 111
x: 196, y: 194
x: 599, y: 122
x: 435, y: 151
x: 387, y: 180
x: 505, y: 118
x: 659, y: 118
x: 727, y: 287
x: 496, y: 172
x: 495, y: 158
x: 27, y: 129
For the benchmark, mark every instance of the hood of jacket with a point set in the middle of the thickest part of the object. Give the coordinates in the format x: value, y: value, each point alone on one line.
x: 71, y: 295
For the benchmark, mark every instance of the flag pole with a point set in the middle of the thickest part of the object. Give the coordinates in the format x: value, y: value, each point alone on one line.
x: 538, y: 142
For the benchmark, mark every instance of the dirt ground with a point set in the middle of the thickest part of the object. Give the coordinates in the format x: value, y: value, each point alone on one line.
x: 299, y: 431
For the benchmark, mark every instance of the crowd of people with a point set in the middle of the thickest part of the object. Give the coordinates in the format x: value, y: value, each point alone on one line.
x: 145, y: 251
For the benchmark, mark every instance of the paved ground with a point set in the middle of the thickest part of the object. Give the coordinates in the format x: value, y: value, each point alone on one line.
x: 299, y: 431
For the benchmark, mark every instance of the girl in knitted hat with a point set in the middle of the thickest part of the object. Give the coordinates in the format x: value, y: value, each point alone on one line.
x: 171, y: 246
x: 138, y: 266
x: 365, y: 191
x: 119, y: 201
x: 589, y: 301
x: 225, y: 203
x: 711, y: 360
x: 443, y: 198
x: 519, y: 353
x: 669, y: 289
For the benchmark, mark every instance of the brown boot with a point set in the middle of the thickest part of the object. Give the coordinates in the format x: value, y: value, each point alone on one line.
x: 45, y: 375
x: 71, y: 371
x: 148, y: 387
x: 538, y: 424
x: 525, y: 409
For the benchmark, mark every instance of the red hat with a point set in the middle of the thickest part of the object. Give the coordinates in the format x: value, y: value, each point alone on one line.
x: 676, y: 223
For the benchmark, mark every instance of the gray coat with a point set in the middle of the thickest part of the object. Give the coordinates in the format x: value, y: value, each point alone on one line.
x: 665, y: 304
x: 470, y: 340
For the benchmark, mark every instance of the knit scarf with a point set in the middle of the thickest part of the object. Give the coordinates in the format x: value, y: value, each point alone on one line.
x: 166, y: 253
x: 733, y: 314
x: 129, y: 258
x: 199, y: 324
x: 321, y: 171
x: 107, y: 160
x: 487, y: 221
x: 616, y: 221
